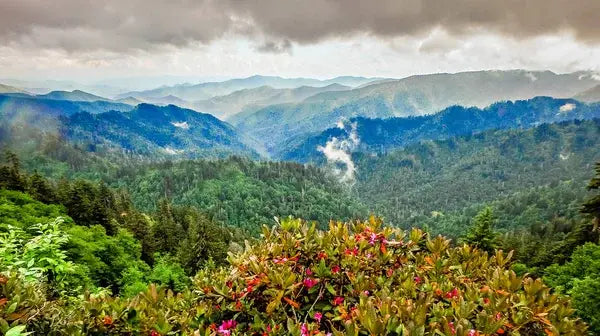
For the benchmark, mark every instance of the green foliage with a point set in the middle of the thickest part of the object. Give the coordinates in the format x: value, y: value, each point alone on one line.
x: 105, y: 257
x: 481, y: 234
x: 530, y: 177
x: 241, y: 193
x: 168, y: 273
x: 592, y: 206
x: 579, y: 278
x: 355, y: 278
x: 39, y: 254
x: 21, y: 210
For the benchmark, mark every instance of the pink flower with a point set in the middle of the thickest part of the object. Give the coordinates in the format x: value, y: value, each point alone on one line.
x: 452, y: 294
x: 318, y: 316
x: 310, y: 282
x: 224, y: 328
x: 304, y: 330
x: 366, y: 293
x: 451, y: 327
x: 372, y: 238
x: 335, y: 269
x: 472, y: 332
x: 417, y: 279
x: 338, y: 300
x: 309, y: 271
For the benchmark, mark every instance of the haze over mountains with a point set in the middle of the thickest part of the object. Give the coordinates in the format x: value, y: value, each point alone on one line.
x: 289, y: 118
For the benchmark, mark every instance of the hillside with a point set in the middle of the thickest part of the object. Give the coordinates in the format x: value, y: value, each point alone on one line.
x: 21, y: 106
x: 426, y: 181
x: 161, y: 131
x: 591, y: 95
x: 382, y: 135
x: 249, y: 100
x: 411, y: 96
x: 10, y: 89
x: 75, y: 95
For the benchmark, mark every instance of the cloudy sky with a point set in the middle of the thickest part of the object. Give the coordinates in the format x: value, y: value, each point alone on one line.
x: 89, y: 40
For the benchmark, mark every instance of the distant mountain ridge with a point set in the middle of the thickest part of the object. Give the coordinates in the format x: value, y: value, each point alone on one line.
x: 154, y: 132
x: 411, y: 96
x: 590, y: 95
x: 75, y: 95
x: 249, y: 100
x: 381, y: 135
x: 157, y: 130
x: 202, y: 91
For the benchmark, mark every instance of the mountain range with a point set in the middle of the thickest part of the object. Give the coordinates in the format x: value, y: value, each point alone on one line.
x: 202, y: 91
x: 382, y: 135
x: 411, y: 96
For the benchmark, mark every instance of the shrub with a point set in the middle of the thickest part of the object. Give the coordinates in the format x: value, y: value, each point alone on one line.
x: 355, y: 278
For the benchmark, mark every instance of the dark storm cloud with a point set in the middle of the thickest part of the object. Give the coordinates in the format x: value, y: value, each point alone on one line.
x: 143, y: 24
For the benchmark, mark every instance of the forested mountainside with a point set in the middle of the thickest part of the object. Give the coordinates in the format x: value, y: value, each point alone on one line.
x: 382, y: 135
x: 412, y: 96
x: 242, y: 193
x: 33, y: 107
x: 153, y: 132
x: 530, y: 176
x: 108, y: 247
x: 248, y: 100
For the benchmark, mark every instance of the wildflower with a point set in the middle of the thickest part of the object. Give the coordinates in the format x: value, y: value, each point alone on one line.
x: 473, y: 332
x: 304, y: 330
x: 372, y: 238
x: 309, y: 272
x: 310, y: 282
x: 335, y: 269
x: 486, y: 300
x: 154, y: 333
x: 318, y: 316
x: 338, y: 300
x: 226, y: 326
x: 452, y: 294
x: 322, y: 255
x: 451, y: 327
x: 107, y: 320
x: 417, y: 279
x: 366, y: 293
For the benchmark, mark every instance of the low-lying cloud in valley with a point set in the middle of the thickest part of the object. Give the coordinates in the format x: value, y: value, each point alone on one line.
x: 338, y: 152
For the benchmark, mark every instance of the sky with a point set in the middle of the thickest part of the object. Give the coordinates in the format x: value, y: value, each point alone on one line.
x: 100, y: 40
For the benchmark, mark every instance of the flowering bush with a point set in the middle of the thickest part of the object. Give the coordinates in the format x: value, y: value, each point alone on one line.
x: 356, y: 278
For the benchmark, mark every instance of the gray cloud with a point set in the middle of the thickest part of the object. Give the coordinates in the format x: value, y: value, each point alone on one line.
x: 144, y: 24
x: 275, y: 47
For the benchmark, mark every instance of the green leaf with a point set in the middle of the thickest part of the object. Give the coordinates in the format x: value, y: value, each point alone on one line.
x: 16, y: 331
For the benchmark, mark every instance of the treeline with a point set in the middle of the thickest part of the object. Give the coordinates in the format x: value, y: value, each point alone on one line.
x: 531, y: 177
x: 114, y: 244
x: 241, y: 193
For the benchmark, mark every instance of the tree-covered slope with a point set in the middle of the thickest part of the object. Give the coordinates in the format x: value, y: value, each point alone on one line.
x: 153, y: 132
x: 382, y: 135
x: 542, y: 171
x: 411, y: 96
x: 240, y: 192
x: 163, y: 131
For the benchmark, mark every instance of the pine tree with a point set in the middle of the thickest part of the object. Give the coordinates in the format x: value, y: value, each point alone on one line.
x: 592, y: 206
x: 204, y: 241
x: 481, y: 233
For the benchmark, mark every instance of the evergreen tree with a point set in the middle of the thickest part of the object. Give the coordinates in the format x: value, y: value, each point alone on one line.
x: 40, y: 189
x: 592, y: 206
x: 10, y: 175
x: 166, y: 231
x: 481, y: 233
x: 204, y: 241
